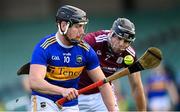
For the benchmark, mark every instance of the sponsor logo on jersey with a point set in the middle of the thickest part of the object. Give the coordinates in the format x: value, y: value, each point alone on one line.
x: 63, y: 73
x: 66, y: 54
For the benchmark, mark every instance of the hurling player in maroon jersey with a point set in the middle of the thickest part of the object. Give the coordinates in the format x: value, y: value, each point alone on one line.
x: 111, y: 47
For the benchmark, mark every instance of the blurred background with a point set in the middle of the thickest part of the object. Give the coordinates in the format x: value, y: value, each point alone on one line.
x: 24, y: 22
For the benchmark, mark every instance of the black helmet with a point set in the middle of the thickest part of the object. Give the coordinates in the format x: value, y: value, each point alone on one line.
x: 71, y: 14
x: 124, y: 28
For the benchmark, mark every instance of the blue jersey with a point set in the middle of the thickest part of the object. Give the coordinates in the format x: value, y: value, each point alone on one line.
x: 64, y: 64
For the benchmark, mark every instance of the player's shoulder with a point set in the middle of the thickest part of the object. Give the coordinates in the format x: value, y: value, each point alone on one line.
x: 130, y: 50
x: 47, y: 41
x: 84, y: 45
x: 103, y: 36
x: 99, y: 36
x: 102, y: 32
x: 99, y: 33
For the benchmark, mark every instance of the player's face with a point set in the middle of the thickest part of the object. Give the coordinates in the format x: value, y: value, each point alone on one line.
x: 119, y: 44
x: 76, y: 31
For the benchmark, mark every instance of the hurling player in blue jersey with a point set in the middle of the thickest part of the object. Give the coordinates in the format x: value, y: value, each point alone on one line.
x: 57, y: 62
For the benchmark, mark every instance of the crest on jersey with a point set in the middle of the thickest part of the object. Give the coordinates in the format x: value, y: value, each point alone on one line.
x: 99, y: 52
x: 79, y: 59
x: 43, y: 104
x: 119, y: 60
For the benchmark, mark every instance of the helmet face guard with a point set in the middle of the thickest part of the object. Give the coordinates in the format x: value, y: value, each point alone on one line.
x: 124, y: 35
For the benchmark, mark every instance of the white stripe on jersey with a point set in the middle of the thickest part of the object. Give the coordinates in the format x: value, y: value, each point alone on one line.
x: 131, y: 51
x: 101, y: 38
x: 107, y: 31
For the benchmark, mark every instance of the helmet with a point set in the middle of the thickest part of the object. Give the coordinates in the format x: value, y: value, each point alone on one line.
x: 71, y: 14
x: 124, y: 28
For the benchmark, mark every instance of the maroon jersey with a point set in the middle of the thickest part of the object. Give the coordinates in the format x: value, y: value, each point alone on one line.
x: 109, y: 62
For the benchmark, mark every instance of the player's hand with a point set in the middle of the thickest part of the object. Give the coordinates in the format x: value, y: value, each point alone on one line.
x: 70, y: 93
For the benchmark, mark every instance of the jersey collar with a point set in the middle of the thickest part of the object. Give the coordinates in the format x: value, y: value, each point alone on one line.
x: 61, y: 44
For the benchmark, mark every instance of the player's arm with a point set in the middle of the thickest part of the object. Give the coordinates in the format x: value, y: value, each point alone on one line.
x: 37, y: 83
x: 106, y: 90
x: 173, y: 93
x: 137, y: 91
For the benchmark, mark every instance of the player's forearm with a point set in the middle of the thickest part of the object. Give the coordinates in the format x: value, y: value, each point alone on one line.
x: 45, y: 87
x: 138, y: 91
x: 173, y: 93
x: 140, y: 99
x: 108, y: 96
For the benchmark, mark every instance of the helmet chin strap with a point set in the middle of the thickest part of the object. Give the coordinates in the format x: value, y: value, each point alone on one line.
x: 72, y: 41
x: 60, y: 30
